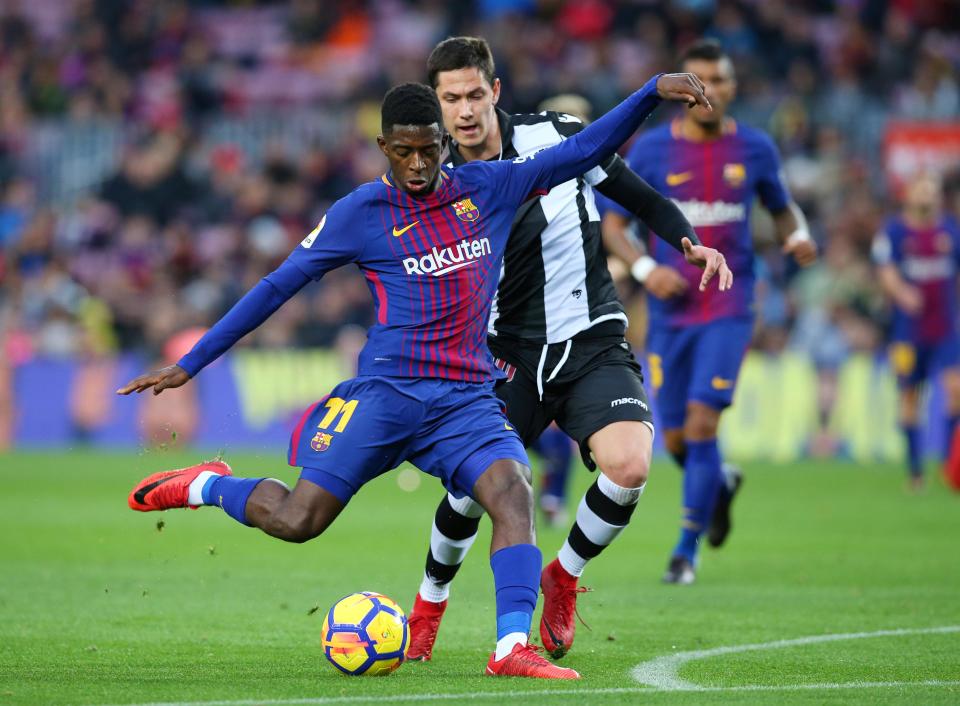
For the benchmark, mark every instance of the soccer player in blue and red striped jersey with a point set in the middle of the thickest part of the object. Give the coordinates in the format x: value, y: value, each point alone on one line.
x: 918, y: 257
x: 430, y: 241
x: 712, y: 168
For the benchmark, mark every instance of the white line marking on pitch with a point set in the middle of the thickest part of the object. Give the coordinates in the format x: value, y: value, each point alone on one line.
x: 472, y: 696
x: 663, y: 672
x: 658, y: 675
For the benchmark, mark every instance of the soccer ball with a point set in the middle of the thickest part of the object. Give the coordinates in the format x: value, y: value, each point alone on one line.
x: 365, y: 633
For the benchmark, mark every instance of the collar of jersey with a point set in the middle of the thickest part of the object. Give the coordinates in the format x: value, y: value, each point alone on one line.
x: 442, y: 194
x: 676, y: 132
x: 506, y: 139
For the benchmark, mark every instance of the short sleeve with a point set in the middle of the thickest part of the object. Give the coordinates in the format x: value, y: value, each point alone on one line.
x: 337, y: 240
x: 771, y: 185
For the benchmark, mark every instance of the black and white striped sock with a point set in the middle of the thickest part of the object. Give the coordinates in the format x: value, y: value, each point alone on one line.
x: 603, y: 513
x: 454, y: 529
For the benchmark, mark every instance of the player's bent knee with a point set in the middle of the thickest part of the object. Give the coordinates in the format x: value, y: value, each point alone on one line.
x: 674, y: 443
x: 505, y: 489
x: 627, y: 472
x: 623, y: 454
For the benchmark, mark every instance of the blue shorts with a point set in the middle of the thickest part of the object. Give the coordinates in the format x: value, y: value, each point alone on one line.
x: 914, y: 363
x: 696, y: 363
x: 370, y: 425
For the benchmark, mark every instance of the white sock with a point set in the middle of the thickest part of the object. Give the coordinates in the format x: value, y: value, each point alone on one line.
x: 194, y: 496
x: 433, y: 592
x: 619, y: 494
x: 466, y: 506
x: 505, y: 644
x: 571, y: 562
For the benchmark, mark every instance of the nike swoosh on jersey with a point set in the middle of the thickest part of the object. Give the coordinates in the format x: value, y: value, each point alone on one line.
x: 719, y: 383
x: 678, y: 179
x: 141, y: 495
x: 398, y: 232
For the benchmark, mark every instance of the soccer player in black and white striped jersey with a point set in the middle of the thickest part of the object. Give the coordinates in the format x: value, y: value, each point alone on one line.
x: 557, y: 332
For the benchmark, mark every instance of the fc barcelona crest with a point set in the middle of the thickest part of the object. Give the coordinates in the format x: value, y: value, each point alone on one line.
x: 734, y: 174
x: 466, y: 211
x: 321, y: 441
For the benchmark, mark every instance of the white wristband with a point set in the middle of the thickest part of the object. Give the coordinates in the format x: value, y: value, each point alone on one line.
x: 799, y: 235
x: 642, y: 268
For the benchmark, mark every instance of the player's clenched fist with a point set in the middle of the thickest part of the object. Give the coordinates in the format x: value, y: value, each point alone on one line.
x: 159, y: 380
x: 683, y: 87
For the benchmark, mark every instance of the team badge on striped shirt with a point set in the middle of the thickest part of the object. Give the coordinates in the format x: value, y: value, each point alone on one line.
x: 734, y: 174
x: 466, y: 211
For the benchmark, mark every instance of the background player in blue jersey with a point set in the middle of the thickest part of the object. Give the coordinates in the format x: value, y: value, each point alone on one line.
x: 712, y: 168
x: 918, y: 257
x: 430, y: 242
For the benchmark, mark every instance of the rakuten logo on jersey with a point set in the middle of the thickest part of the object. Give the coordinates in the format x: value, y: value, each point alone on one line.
x: 440, y: 261
x: 712, y: 213
x: 928, y: 269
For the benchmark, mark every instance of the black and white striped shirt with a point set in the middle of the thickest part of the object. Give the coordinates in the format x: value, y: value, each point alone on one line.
x: 554, y: 281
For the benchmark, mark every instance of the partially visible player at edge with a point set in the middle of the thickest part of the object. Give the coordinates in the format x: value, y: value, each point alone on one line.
x: 712, y: 167
x: 556, y: 330
x: 429, y: 241
x: 918, y: 258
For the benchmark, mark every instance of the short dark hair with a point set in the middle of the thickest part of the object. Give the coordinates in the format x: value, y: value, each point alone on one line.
x: 410, y: 104
x: 455, y: 53
x: 704, y: 50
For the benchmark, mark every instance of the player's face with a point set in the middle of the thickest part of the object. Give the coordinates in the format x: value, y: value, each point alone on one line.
x: 414, y: 155
x: 468, y: 102
x: 720, y: 88
x: 923, y: 195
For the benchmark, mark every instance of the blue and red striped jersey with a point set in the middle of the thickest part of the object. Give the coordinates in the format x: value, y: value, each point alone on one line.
x: 431, y: 263
x: 929, y: 259
x: 714, y: 183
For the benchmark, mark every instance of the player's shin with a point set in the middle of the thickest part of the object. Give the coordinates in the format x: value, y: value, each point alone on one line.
x: 451, y: 536
x: 703, y: 475
x: 911, y: 433
x: 603, y: 513
x: 516, y: 577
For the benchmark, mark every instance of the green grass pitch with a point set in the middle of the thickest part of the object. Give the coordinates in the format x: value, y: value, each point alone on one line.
x: 99, y: 605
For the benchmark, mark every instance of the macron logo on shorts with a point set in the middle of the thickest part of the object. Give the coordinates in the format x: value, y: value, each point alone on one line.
x: 629, y: 400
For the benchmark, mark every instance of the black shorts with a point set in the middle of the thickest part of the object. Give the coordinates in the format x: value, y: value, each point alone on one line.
x: 598, y: 383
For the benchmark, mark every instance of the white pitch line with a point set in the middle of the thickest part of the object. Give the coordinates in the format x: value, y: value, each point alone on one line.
x: 416, y: 698
x: 662, y: 673
x: 658, y: 675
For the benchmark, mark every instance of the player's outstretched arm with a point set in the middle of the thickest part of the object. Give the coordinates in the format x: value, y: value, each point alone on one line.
x: 600, y: 139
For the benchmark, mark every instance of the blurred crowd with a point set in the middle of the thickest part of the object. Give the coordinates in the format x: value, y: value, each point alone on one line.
x: 158, y: 156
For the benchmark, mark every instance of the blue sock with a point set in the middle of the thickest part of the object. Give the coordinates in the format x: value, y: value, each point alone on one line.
x: 951, y: 426
x: 702, y: 478
x: 557, y: 453
x: 914, y: 450
x: 516, y: 577
x: 231, y: 494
